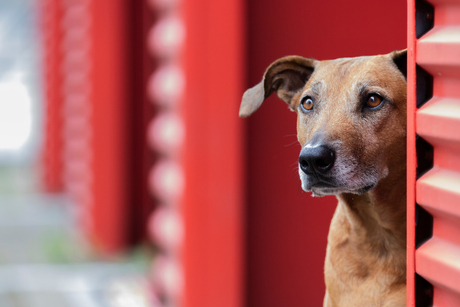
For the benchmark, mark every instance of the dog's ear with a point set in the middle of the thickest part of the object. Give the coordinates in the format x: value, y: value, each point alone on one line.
x: 286, y: 76
x: 400, y: 59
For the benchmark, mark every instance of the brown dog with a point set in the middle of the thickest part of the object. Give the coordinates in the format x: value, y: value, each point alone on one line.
x: 351, y: 124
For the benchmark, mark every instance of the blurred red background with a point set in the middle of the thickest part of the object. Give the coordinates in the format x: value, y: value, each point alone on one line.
x: 251, y: 236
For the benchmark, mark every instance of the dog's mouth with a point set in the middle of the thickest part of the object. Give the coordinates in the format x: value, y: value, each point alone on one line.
x: 317, y: 182
x: 320, y: 187
x: 323, y: 191
x: 323, y: 188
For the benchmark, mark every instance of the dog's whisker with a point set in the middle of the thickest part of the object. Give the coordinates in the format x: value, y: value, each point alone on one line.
x: 293, y: 143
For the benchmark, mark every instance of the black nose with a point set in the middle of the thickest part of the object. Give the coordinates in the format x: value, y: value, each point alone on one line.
x: 319, y: 159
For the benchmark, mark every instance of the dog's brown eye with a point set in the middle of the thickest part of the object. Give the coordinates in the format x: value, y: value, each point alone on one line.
x: 307, y: 104
x: 374, y: 100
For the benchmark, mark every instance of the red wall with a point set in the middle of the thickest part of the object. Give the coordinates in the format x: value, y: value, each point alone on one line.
x: 286, y: 227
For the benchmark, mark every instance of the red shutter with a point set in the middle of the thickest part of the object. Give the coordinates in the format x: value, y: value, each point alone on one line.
x: 198, y: 177
x: 436, y: 52
x: 87, y: 102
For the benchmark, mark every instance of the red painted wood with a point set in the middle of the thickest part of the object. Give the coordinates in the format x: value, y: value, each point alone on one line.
x: 109, y: 100
x: 286, y: 228
x: 437, y: 122
x: 77, y: 113
x: 213, y: 154
x: 411, y: 152
x: 437, y: 261
x: 165, y: 136
x: 51, y: 15
x: 96, y: 67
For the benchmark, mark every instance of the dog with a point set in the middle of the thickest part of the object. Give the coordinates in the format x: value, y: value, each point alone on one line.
x: 351, y: 125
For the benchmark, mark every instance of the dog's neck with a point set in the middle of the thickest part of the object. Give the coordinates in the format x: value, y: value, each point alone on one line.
x: 378, y: 217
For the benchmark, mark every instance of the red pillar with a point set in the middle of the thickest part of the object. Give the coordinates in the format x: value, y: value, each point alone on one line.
x: 51, y: 15
x: 411, y: 152
x: 96, y: 114
x: 110, y: 107
x: 437, y: 122
x: 96, y: 107
x: 197, y: 89
x: 213, y: 153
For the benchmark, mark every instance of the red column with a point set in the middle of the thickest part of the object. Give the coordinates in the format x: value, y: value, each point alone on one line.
x: 198, y: 179
x: 411, y: 152
x: 95, y: 146
x: 110, y: 106
x: 166, y: 137
x: 96, y: 107
x: 77, y: 131
x: 437, y: 122
x: 51, y: 15
x: 213, y: 161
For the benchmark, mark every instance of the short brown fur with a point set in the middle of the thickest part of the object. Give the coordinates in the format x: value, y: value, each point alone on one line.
x: 366, y: 253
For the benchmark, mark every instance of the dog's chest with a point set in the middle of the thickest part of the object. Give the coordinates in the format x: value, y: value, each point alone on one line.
x: 355, y: 275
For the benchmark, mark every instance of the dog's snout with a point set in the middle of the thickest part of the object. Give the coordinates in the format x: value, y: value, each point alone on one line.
x: 318, y: 159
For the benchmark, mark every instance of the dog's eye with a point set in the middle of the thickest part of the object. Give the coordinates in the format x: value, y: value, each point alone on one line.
x: 306, y: 104
x: 374, y: 100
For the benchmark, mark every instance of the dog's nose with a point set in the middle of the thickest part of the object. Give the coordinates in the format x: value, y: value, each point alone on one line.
x: 319, y: 159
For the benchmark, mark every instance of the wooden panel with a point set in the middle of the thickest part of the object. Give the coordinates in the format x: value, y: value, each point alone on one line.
x: 213, y: 153
x: 411, y: 152
x: 438, y: 122
x: 95, y: 108
x: 51, y: 15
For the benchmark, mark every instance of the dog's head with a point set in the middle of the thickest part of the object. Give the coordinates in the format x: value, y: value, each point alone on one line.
x: 351, y: 117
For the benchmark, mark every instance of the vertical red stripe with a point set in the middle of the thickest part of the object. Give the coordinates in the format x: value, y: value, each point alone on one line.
x: 213, y: 202
x: 109, y: 119
x: 438, y: 122
x: 411, y: 152
x: 51, y: 15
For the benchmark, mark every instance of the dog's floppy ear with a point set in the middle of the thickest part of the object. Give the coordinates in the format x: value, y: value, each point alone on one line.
x: 400, y: 59
x: 286, y: 76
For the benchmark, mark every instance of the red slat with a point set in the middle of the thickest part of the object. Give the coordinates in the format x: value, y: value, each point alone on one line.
x: 437, y: 261
x: 439, y: 191
x: 444, y: 42
x: 439, y: 120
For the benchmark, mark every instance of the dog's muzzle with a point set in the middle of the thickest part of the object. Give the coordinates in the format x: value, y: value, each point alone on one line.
x: 317, y: 160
